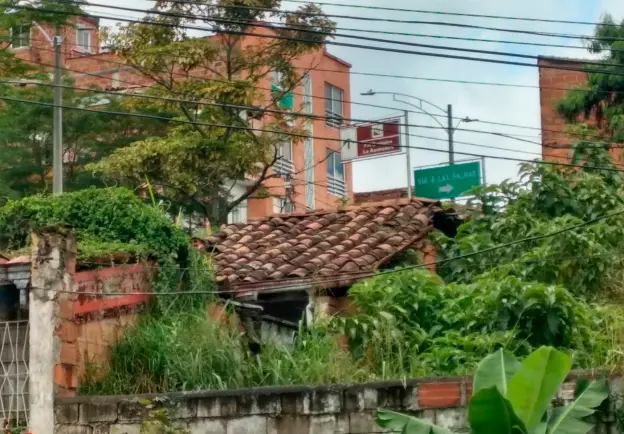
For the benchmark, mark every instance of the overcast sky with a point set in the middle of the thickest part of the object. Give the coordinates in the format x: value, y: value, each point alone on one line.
x: 519, y: 106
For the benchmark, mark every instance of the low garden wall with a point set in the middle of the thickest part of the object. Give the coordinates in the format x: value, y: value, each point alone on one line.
x: 289, y: 410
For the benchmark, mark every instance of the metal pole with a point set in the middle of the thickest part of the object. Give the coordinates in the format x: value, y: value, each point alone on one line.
x: 408, y: 156
x: 57, y: 133
x: 483, y: 169
x: 451, y: 146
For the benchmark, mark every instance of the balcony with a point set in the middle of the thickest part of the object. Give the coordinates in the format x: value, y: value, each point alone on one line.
x: 284, y: 167
x: 336, y: 186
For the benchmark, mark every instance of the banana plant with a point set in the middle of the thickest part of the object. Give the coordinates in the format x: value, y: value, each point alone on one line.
x: 513, y: 398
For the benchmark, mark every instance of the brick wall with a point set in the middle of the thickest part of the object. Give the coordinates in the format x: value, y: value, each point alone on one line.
x: 553, y: 87
x: 287, y: 410
x: 91, y: 324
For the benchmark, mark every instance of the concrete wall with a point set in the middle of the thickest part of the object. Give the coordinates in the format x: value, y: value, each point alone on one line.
x: 286, y: 410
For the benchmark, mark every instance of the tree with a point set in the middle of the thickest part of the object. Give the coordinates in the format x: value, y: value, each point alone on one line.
x: 200, y: 160
x: 26, y: 136
x: 603, y: 96
x: 514, y: 398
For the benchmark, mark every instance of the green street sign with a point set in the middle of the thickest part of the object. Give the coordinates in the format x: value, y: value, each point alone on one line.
x: 448, y: 181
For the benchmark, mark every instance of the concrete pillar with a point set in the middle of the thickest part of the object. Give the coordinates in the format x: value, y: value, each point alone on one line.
x: 53, y: 250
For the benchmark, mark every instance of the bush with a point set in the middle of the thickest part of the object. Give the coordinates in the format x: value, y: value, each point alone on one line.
x: 414, y: 322
x: 108, y: 215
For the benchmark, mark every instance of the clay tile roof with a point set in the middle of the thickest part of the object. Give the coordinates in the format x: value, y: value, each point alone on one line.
x: 357, y: 239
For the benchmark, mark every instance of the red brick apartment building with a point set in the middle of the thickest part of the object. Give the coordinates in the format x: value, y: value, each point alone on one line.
x: 320, y: 179
x: 553, y: 85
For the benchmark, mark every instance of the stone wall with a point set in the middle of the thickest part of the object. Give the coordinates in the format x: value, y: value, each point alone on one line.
x: 284, y: 410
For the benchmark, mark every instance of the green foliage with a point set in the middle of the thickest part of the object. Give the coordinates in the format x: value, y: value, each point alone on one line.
x: 602, y: 97
x: 195, y: 164
x: 26, y: 132
x: 547, y: 199
x: 112, y: 215
x: 414, y: 322
x: 185, y: 350
x: 515, y: 398
x: 158, y: 422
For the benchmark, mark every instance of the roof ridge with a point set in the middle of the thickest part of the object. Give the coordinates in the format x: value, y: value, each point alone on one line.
x: 324, y: 211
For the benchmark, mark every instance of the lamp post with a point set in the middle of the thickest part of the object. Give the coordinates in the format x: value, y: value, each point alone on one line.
x: 449, y: 128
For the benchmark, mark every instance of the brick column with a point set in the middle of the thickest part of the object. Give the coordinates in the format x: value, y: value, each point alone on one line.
x: 53, y: 254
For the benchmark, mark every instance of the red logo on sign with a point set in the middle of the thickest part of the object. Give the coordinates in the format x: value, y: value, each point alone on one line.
x: 379, y: 138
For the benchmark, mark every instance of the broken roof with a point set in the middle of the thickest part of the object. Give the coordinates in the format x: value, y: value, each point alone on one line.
x: 342, y: 245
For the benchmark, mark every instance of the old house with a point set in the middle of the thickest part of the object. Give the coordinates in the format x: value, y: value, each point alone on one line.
x: 299, y: 266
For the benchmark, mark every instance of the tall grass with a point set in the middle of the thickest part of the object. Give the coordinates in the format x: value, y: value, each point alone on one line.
x: 189, y: 351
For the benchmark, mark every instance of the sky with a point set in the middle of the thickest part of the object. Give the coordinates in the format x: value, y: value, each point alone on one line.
x: 508, y: 105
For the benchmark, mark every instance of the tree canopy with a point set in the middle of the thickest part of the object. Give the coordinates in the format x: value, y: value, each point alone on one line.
x: 222, y: 76
x: 603, y: 95
x: 26, y: 136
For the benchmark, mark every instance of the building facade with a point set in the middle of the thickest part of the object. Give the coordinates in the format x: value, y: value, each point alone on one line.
x: 311, y: 173
x: 553, y: 85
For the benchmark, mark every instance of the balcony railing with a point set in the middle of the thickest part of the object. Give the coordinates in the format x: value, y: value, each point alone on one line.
x: 336, y: 186
x: 284, y: 167
x: 332, y: 119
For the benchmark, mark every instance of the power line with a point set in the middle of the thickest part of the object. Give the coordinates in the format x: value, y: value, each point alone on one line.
x: 330, y: 34
x: 391, y: 20
x: 342, y: 44
x: 363, y: 275
x: 457, y: 14
x: 285, y: 113
x: 146, y: 116
x: 366, y: 104
x: 384, y: 32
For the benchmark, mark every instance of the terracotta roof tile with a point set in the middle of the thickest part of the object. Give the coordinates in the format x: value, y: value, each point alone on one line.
x: 321, y: 243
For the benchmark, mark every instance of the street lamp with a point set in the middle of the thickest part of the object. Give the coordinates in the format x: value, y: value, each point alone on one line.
x: 449, y: 128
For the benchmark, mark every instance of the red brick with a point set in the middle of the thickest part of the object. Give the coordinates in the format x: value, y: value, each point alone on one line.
x: 67, y: 331
x: 65, y: 376
x: 66, y: 309
x: 439, y: 395
x: 69, y: 353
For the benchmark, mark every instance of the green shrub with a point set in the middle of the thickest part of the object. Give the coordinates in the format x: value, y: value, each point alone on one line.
x: 416, y: 323
x: 107, y: 215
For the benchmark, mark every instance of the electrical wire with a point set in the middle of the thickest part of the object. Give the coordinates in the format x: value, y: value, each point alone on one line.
x: 355, y: 102
x: 366, y: 47
x: 285, y: 113
x: 147, y: 116
x: 384, y: 20
x: 456, y: 14
x: 276, y: 26
x: 345, y: 276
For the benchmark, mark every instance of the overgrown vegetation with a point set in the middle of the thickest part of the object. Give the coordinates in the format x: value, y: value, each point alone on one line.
x: 105, y: 222
x: 186, y: 350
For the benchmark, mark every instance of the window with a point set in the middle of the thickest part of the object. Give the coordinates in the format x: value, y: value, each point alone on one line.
x: 333, y: 106
x: 83, y: 39
x: 284, y: 164
x: 282, y: 205
x: 335, y: 174
x: 277, y: 78
x: 20, y: 36
x: 307, y: 93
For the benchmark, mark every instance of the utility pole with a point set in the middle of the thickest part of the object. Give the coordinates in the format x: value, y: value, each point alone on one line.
x: 451, y: 145
x: 408, y: 156
x: 57, y: 128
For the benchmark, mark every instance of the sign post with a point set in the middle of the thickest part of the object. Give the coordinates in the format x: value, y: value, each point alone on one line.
x: 448, y: 181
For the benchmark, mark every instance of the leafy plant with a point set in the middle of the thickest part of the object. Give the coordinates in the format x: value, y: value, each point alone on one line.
x: 111, y: 215
x: 511, y: 397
